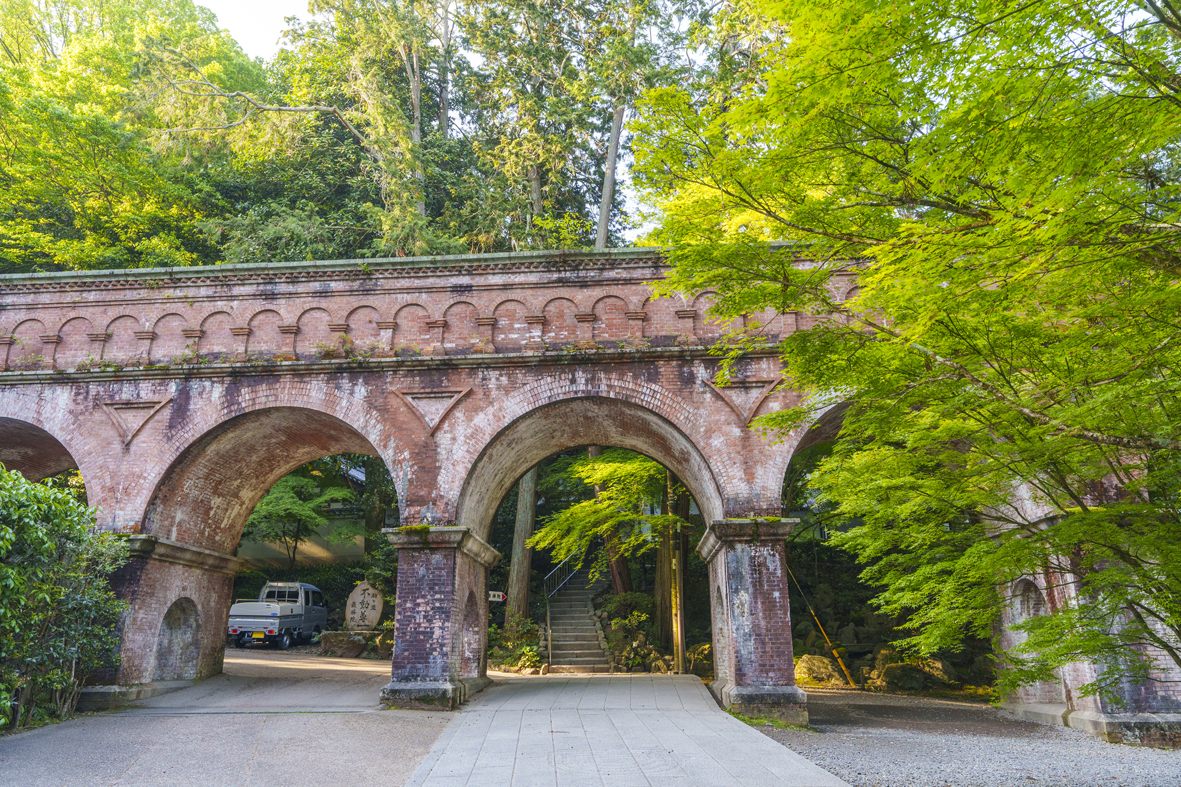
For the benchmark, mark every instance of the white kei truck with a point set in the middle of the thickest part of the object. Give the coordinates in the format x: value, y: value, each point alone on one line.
x: 284, y: 613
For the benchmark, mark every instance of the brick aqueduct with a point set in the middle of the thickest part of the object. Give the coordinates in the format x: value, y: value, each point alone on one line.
x: 182, y: 395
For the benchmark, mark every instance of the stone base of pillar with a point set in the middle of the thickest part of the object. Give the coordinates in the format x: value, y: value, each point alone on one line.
x: 1162, y: 730
x: 107, y: 697
x: 431, y: 695
x: 786, y: 703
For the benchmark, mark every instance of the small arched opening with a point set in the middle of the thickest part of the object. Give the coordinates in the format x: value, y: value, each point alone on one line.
x: 177, y: 647
x: 1027, y: 601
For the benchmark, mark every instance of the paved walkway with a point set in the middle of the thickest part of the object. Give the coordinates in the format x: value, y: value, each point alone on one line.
x: 610, y: 730
x: 273, y: 718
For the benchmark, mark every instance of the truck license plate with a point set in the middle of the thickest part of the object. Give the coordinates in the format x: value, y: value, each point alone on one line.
x: 257, y: 635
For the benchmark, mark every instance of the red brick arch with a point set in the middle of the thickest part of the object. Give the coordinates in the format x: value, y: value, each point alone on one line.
x: 225, y: 458
x: 39, y: 441
x: 574, y: 422
x: 823, y: 426
x: 557, y: 412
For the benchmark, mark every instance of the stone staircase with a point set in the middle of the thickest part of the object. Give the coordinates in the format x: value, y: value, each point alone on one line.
x: 576, y: 643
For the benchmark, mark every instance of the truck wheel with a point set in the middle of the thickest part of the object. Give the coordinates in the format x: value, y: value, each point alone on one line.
x: 239, y: 641
x: 283, y: 641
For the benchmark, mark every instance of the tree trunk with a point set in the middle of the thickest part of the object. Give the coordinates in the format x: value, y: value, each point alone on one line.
x: 414, y: 78
x: 679, y: 550
x: 608, y: 198
x: 678, y: 563
x: 662, y: 590
x: 522, y: 556
x: 444, y: 68
x: 662, y: 586
x: 536, y: 203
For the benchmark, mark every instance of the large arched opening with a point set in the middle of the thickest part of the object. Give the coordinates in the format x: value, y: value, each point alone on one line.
x: 33, y: 451
x: 840, y: 636
x: 187, y: 550
x: 585, y: 432
x: 571, y: 423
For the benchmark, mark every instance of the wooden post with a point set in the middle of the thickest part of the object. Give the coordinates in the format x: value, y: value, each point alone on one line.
x: 679, y: 547
x: 522, y: 556
x: 678, y: 602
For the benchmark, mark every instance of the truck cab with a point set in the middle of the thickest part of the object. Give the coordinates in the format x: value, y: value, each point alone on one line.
x: 283, y: 614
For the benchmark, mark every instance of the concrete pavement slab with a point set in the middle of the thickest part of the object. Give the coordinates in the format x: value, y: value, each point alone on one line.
x: 273, y: 718
x: 608, y: 729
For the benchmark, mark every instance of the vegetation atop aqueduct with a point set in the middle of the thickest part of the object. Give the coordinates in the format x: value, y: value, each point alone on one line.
x: 1002, y: 174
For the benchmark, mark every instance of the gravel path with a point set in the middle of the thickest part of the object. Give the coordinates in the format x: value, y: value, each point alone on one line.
x: 883, y: 739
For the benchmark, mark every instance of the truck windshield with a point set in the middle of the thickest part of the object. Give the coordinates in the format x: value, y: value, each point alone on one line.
x: 284, y: 595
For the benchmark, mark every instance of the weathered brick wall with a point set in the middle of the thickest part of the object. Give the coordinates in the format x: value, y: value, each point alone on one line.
x: 423, y: 649
x: 1036, y: 595
x: 153, y: 586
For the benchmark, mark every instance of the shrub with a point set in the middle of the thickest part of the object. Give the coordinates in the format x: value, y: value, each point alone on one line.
x: 58, y: 614
x: 514, y: 645
x: 700, y: 659
x: 621, y: 605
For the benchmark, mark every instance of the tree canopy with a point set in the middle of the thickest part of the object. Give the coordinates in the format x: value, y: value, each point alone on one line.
x: 138, y: 133
x: 296, y: 508
x: 625, y: 507
x: 1001, y: 178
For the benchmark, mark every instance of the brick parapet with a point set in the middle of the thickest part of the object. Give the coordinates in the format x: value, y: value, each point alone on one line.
x: 505, y: 304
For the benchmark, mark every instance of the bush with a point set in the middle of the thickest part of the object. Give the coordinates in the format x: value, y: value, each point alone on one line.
x: 58, y: 614
x: 514, y: 645
x: 699, y: 659
x: 622, y: 605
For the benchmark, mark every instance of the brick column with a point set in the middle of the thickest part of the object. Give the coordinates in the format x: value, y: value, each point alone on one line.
x: 441, y: 621
x: 49, y: 343
x: 487, y: 326
x: 388, y: 328
x: 635, y: 324
x: 535, y: 341
x: 754, y: 669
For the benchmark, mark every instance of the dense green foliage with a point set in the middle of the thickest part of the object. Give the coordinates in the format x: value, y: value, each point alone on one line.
x: 57, y: 611
x: 516, y: 645
x: 623, y: 511
x: 293, y: 509
x: 137, y: 133
x: 296, y: 508
x: 1001, y: 177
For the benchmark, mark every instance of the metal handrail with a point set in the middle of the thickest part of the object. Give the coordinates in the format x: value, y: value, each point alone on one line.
x: 560, y: 575
x: 553, y: 582
x: 549, y: 636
